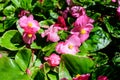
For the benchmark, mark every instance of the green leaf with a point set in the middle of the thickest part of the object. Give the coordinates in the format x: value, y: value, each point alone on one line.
x: 8, y: 23
x: 53, y: 14
x: 53, y: 76
x: 1, y: 27
x: 1, y: 6
x: 77, y: 64
x: 36, y: 44
x: 63, y: 72
x: 26, y: 4
x: 100, y: 58
x: 48, y: 49
x: 98, y: 39
x: 63, y: 35
x: 23, y: 58
x: 10, y: 68
x: 9, y: 11
x: 116, y: 59
x: 46, y: 23
x: 16, y: 3
x: 11, y: 40
x: 39, y: 76
x: 108, y: 26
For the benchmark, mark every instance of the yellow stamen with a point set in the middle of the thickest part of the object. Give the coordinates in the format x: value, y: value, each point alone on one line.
x: 83, y: 31
x: 70, y: 46
x: 29, y: 35
x: 78, y: 75
x: 30, y: 24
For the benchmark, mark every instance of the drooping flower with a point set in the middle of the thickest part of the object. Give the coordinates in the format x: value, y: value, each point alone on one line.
x: 29, y: 22
x: 28, y: 38
x: 51, y: 34
x: 77, y: 11
x: 53, y: 59
x: 60, y: 24
x: 23, y: 13
x: 102, y: 78
x: 30, y: 27
x: 82, y: 77
x: 66, y: 47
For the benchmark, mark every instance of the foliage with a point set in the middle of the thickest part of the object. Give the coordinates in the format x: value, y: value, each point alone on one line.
x: 98, y: 55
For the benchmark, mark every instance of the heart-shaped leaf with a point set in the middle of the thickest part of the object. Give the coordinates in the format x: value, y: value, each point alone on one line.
x: 11, y: 40
x: 77, y: 64
x: 23, y: 58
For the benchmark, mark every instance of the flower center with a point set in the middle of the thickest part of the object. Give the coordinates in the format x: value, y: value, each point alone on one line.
x: 70, y: 46
x: 78, y: 75
x: 30, y: 24
x: 29, y: 35
x: 83, y: 31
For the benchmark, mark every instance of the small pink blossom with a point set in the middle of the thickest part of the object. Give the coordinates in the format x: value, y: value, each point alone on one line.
x: 0, y: 55
x: 29, y: 22
x: 51, y: 34
x: 77, y: 11
x: 28, y: 71
x: 82, y: 77
x: 60, y: 24
x: 66, y: 47
x: 28, y: 38
x: 118, y: 11
x: 53, y: 60
x: 113, y: 0
x: 102, y: 78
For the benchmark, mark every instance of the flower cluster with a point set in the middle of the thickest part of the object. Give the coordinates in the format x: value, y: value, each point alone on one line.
x: 60, y: 40
x: 30, y: 27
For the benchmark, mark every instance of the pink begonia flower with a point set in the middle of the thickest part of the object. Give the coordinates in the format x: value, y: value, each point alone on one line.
x: 83, y: 20
x: 82, y: 27
x: 82, y: 32
x: 53, y: 59
x: 66, y: 47
x: 23, y: 13
x: 29, y: 22
x: 60, y: 24
x: 82, y: 77
x: 77, y: 11
x: 74, y: 39
x: 113, y: 0
x: 102, y: 78
x: 51, y: 34
x: 118, y: 11
x: 28, y: 37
